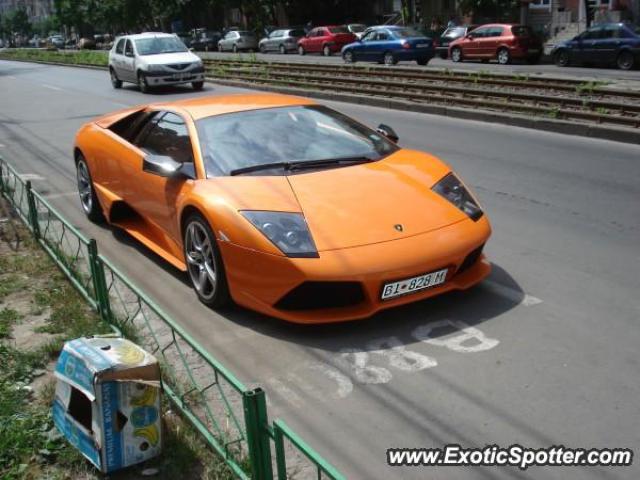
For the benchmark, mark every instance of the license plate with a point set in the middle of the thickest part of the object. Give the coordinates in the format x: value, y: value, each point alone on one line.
x: 178, y: 76
x: 422, y: 45
x: 413, y: 284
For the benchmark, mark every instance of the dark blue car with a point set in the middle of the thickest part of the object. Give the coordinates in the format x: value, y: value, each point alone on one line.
x: 389, y: 45
x: 605, y: 44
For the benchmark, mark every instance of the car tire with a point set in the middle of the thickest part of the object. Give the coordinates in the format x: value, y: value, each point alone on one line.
x: 456, y: 54
x: 205, y: 267
x: 197, y: 85
x: 389, y: 59
x: 283, y: 50
x: 349, y: 57
x: 562, y: 58
x: 235, y: 48
x: 220, y: 49
x: 625, y: 61
x: 326, y: 51
x: 142, y: 83
x: 504, y: 57
x: 115, y: 82
x: 88, y: 198
x: 301, y: 50
x: 263, y: 50
x: 422, y: 61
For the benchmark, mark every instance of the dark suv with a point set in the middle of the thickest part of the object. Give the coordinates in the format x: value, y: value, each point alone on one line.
x: 606, y: 44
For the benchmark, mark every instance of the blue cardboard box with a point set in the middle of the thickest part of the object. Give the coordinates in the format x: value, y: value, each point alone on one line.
x: 107, y: 401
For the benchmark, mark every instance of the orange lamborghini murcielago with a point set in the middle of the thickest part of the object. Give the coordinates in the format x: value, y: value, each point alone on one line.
x: 283, y: 205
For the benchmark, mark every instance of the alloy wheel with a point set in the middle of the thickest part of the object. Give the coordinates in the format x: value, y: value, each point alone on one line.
x: 503, y: 56
x: 456, y: 55
x: 84, y: 187
x: 200, y: 260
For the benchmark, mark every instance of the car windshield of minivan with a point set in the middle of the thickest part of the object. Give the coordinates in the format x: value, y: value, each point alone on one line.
x: 158, y: 45
x: 286, y: 139
x: 406, y: 33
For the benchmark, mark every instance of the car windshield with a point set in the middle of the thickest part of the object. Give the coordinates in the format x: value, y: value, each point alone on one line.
x: 406, y: 33
x: 157, y: 45
x: 282, y: 135
x: 338, y: 30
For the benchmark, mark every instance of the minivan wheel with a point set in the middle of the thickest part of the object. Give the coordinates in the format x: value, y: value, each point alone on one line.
x: 625, y: 61
x: 456, y: 54
x: 114, y: 79
x: 504, y: 57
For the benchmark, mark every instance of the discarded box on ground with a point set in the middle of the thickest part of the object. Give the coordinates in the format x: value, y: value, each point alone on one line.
x: 107, y: 401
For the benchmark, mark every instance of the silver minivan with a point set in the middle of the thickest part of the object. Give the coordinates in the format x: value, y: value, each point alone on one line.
x: 237, y: 40
x: 283, y: 41
x: 152, y: 60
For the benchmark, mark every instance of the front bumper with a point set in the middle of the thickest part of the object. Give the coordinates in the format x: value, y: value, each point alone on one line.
x: 370, y: 265
x: 155, y: 79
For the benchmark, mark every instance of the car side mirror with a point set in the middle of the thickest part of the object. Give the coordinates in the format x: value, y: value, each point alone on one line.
x: 165, y: 166
x: 388, y: 132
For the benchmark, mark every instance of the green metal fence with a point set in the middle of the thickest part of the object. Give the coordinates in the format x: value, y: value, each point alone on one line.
x: 232, y: 418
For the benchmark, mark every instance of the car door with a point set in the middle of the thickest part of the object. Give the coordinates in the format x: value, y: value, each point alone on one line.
x: 154, y: 196
x: 606, y: 47
x: 321, y: 38
x: 471, y: 43
x: 382, y: 44
x: 128, y: 62
x: 274, y: 39
x: 488, y: 44
x: 586, y: 51
x: 364, y: 51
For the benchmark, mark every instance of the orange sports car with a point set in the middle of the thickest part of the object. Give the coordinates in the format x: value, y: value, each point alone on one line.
x: 283, y: 205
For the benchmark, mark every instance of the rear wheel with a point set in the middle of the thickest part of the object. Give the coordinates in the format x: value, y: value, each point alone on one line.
x: 204, y: 263
x: 88, y: 198
x: 283, y: 50
x: 389, y: 59
x: 422, y: 61
x: 263, y: 49
x: 348, y: 57
x: 562, y: 59
x: 456, y: 54
x: 301, y: 50
x: 197, y: 85
x: 235, y: 48
x: 504, y: 57
x: 142, y: 83
x: 219, y: 47
x: 114, y: 79
x: 625, y: 61
x: 326, y: 51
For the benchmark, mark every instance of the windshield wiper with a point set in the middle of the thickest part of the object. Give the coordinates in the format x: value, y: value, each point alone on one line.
x: 301, y: 164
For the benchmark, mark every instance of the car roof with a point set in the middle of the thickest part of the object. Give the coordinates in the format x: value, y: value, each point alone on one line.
x: 136, y: 36
x: 201, y: 107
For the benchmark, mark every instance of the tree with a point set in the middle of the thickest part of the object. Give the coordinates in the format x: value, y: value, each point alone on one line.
x: 491, y: 9
x: 16, y: 22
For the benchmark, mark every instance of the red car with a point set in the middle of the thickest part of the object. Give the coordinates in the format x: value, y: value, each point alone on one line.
x: 502, y: 42
x: 328, y: 40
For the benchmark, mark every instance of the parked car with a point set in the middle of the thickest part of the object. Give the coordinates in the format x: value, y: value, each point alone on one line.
x: 357, y: 29
x: 388, y: 45
x: 237, y: 40
x: 326, y: 40
x: 154, y: 59
x: 282, y: 40
x: 502, y: 42
x: 204, y: 40
x: 86, y: 44
x: 55, y: 41
x: 224, y: 187
x: 449, y: 35
x: 608, y: 44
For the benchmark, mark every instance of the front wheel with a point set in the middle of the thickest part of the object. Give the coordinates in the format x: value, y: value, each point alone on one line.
x: 142, y: 83
x: 301, y: 50
x: 389, y: 59
x: 263, y: 49
x: 456, y: 54
x: 562, y: 59
x: 326, y: 51
x: 348, y: 57
x: 88, y: 197
x: 625, y: 61
x: 204, y: 263
x: 197, y: 85
x: 114, y: 79
x: 219, y: 48
x: 504, y: 57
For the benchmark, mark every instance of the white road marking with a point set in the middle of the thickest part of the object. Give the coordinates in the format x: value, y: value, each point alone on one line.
x: 345, y: 385
x: 279, y: 386
x: 51, y: 87
x: 364, y: 373
x: 399, y: 357
x: 60, y: 195
x: 512, y: 294
x: 11, y: 77
x: 480, y: 342
x: 31, y: 176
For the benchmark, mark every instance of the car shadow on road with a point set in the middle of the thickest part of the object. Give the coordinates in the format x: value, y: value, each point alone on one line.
x: 166, y: 90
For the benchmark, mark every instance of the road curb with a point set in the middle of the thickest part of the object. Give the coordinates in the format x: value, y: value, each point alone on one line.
x: 623, y: 135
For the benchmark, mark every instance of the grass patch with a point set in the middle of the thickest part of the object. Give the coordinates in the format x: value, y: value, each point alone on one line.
x: 82, y: 57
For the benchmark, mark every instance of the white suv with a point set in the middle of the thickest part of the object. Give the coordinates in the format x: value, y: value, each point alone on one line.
x: 154, y: 59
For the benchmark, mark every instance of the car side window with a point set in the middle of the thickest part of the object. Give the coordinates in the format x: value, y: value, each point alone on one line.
x: 128, y: 49
x: 369, y: 36
x: 120, y: 46
x: 169, y: 136
x: 611, y: 32
x: 592, y: 34
x: 479, y: 33
x: 382, y: 36
x: 494, y: 32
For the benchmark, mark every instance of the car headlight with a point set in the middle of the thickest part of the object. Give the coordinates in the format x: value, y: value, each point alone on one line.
x: 452, y: 189
x: 155, y: 68
x: 287, y: 231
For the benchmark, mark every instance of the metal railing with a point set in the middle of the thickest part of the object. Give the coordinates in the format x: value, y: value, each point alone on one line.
x: 232, y: 418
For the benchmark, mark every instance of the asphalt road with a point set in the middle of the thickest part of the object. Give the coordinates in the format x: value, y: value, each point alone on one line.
x: 545, y: 352
x: 542, y: 69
